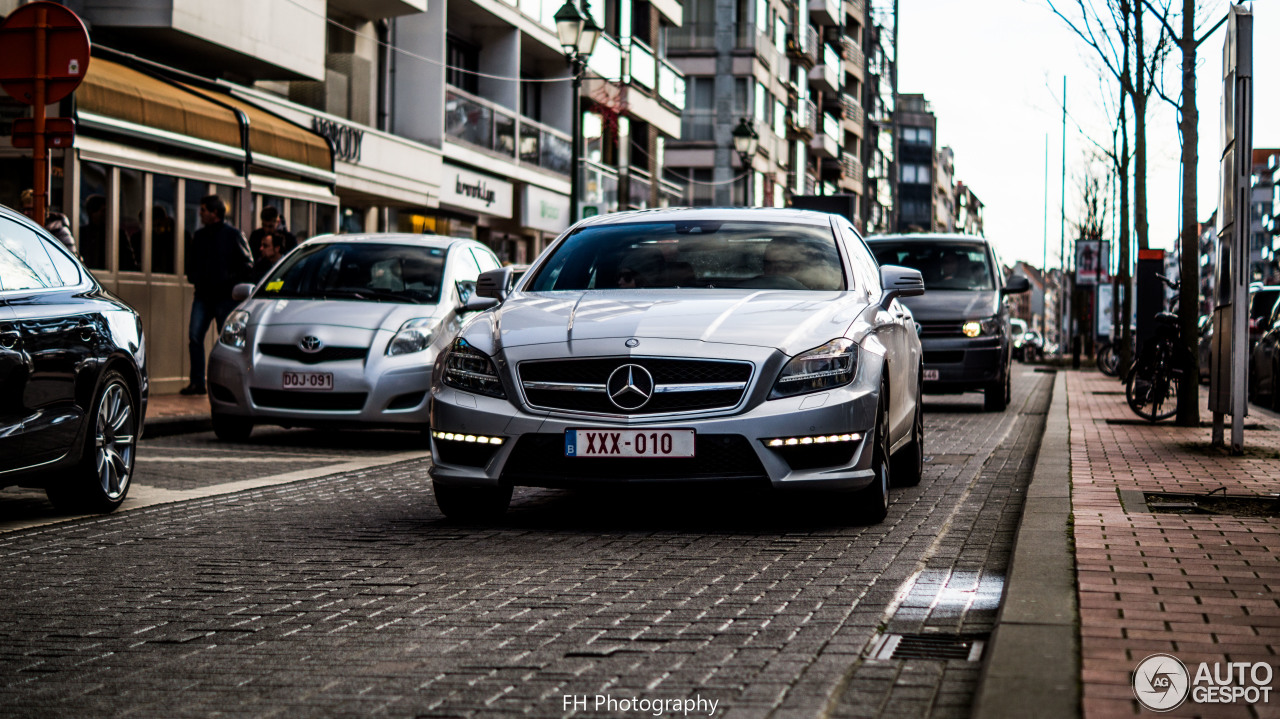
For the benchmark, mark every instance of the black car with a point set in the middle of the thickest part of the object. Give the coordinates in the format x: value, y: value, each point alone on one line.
x: 73, y: 380
x: 963, y: 317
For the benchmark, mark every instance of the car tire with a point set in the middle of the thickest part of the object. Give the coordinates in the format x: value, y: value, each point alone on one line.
x: 908, y: 463
x: 229, y: 428
x: 995, y: 396
x: 871, y: 504
x: 471, y: 503
x: 99, y: 482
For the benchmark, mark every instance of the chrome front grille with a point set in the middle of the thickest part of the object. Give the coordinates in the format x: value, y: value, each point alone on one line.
x: 678, y: 385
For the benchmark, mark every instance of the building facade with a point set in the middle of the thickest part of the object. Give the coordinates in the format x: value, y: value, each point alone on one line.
x: 917, y: 127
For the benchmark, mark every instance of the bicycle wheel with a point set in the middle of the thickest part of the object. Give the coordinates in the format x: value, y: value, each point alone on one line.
x: 1108, y: 360
x: 1152, y: 392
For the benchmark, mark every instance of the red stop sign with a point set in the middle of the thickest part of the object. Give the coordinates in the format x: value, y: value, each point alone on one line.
x: 66, y: 51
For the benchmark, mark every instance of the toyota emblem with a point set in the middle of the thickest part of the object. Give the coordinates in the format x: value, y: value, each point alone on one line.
x: 630, y: 387
x: 310, y: 344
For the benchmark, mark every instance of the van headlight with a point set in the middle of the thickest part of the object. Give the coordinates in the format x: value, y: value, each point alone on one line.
x: 825, y: 367
x: 234, y: 329
x: 982, y: 328
x: 470, y: 370
x: 413, y: 336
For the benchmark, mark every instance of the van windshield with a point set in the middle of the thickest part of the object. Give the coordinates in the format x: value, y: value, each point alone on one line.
x: 944, y: 265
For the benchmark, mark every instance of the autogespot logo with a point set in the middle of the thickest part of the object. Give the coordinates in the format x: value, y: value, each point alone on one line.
x: 1161, y: 682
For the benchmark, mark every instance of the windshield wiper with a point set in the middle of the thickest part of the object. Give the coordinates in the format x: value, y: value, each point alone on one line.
x: 367, y: 294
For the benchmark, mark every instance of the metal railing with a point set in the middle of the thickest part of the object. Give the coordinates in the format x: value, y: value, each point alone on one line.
x: 639, y: 189
x: 852, y: 53
x: 642, y: 67
x: 691, y: 36
x: 672, y: 194
x: 599, y: 187
x: 486, y: 125
x: 748, y: 36
x: 852, y: 108
x: 805, y: 117
x: 803, y: 45
x: 850, y: 167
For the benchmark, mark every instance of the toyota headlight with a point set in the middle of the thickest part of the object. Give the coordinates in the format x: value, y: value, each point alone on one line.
x: 825, y: 367
x: 979, y: 328
x: 468, y: 369
x: 234, y: 329
x: 413, y: 336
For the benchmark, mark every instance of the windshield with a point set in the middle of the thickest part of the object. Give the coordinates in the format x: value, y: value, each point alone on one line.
x: 359, y: 271
x: 694, y: 254
x: 945, y: 265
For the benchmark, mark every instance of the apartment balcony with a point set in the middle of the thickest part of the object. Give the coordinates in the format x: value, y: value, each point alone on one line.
x: 825, y: 12
x: 748, y: 36
x: 599, y: 189
x: 856, y: 8
x: 697, y: 125
x: 802, y: 46
x: 827, y: 76
x: 853, y: 116
x: 691, y: 38
x: 639, y: 189
x: 479, y: 123
x: 671, y: 84
x: 826, y: 144
x: 377, y: 9
x: 803, y: 121
x: 672, y: 194
x: 660, y: 80
x: 854, y: 58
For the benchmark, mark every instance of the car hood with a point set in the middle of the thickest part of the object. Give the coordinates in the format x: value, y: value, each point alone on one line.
x: 336, y: 313
x: 790, y: 321
x: 938, y: 305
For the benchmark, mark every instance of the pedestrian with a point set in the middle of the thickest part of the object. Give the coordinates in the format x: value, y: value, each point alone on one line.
x: 270, y: 250
x: 60, y: 227
x: 271, y: 223
x: 219, y: 258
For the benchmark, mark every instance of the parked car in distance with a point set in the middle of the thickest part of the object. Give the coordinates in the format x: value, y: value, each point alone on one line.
x: 344, y: 332
x: 1262, y: 301
x: 964, y: 317
x: 756, y: 346
x: 1028, y: 347
x: 1264, y: 361
x: 73, y: 374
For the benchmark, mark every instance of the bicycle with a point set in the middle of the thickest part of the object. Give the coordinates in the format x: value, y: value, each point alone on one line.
x: 1151, y: 385
x: 1108, y: 357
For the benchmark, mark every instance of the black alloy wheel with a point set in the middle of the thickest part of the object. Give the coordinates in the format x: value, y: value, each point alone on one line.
x: 908, y: 463
x: 871, y: 504
x: 100, y: 481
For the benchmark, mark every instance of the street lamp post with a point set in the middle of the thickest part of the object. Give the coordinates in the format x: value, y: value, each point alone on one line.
x: 578, y: 34
x: 745, y: 142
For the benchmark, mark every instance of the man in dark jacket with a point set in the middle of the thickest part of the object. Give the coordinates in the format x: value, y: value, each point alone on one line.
x: 217, y: 260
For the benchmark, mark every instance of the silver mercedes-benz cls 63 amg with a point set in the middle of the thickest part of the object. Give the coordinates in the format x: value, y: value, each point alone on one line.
x: 686, y: 345
x: 344, y: 333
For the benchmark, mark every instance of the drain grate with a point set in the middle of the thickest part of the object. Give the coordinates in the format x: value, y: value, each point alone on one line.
x: 936, y: 647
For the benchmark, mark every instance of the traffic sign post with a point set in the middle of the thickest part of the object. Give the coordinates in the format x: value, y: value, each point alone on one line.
x: 45, y: 59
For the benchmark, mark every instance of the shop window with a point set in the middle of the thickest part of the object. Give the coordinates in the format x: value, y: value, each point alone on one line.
x: 92, y: 237
x: 229, y: 196
x: 300, y: 219
x: 352, y: 220
x: 192, y: 192
x: 326, y: 216
x: 164, y: 221
x: 132, y: 202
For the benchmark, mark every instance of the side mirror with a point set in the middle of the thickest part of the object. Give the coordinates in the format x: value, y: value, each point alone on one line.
x: 1016, y: 285
x: 476, y: 303
x: 241, y: 292
x: 900, y: 282
x: 496, y: 284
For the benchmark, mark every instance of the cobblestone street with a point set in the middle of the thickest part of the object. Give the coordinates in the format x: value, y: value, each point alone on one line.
x: 349, y: 593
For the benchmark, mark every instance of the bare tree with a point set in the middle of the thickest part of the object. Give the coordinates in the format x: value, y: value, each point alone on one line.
x: 1188, y: 125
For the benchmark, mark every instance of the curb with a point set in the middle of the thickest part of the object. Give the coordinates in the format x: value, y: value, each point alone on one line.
x: 168, y: 426
x: 1033, y: 659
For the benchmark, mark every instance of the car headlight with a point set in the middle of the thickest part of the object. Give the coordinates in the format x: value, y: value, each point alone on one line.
x: 978, y: 328
x: 234, y: 329
x: 468, y: 369
x: 413, y: 336
x: 831, y: 365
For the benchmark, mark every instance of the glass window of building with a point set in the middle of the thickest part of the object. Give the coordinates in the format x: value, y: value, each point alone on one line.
x: 92, y: 236
x: 300, y: 219
x: 131, y: 199
x: 164, y: 230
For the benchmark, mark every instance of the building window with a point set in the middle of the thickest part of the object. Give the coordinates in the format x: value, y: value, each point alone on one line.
x: 917, y: 135
x: 461, y: 55
x: 915, y: 174
x: 164, y: 213
x: 94, y: 180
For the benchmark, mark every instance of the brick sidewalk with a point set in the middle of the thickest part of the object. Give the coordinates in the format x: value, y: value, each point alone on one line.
x: 1205, y: 588
x: 168, y: 406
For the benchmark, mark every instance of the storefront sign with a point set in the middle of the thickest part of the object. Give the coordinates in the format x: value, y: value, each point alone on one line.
x: 474, y: 191
x: 345, y: 138
x: 544, y: 210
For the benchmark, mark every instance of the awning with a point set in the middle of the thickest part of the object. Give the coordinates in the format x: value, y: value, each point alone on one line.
x: 121, y: 100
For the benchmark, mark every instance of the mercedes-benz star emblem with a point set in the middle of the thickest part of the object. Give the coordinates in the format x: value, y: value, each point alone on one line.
x: 630, y: 387
x: 310, y: 344
x: 633, y: 342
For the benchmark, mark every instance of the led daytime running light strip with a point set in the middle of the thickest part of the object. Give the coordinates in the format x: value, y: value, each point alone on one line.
x: 817, y: 439
x: 474, y: 438
x: 814, y: 375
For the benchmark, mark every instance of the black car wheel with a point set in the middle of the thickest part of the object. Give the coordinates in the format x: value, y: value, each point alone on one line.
x: 908, y: 463
x: 231, y: 429
x: 997, y: 393
x: 100, y: 481
x: 871, y: 505
x: 471, y: 503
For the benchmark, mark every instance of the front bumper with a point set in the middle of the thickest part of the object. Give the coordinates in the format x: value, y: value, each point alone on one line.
x: 376, y: 392
x: 963, y: 364
x: 730, y: 447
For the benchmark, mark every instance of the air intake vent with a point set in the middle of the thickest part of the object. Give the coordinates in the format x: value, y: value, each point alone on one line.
x: 935, y: 647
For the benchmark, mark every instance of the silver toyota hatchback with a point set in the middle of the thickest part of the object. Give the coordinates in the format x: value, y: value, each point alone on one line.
x: 344, y: 333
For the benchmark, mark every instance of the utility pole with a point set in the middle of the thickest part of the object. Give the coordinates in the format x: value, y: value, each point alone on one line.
x: 895, y: 211
x: 1063, y: 330
x: 1044, y: 260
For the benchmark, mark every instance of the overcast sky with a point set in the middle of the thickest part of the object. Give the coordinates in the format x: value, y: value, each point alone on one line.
x: 993, y: 71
